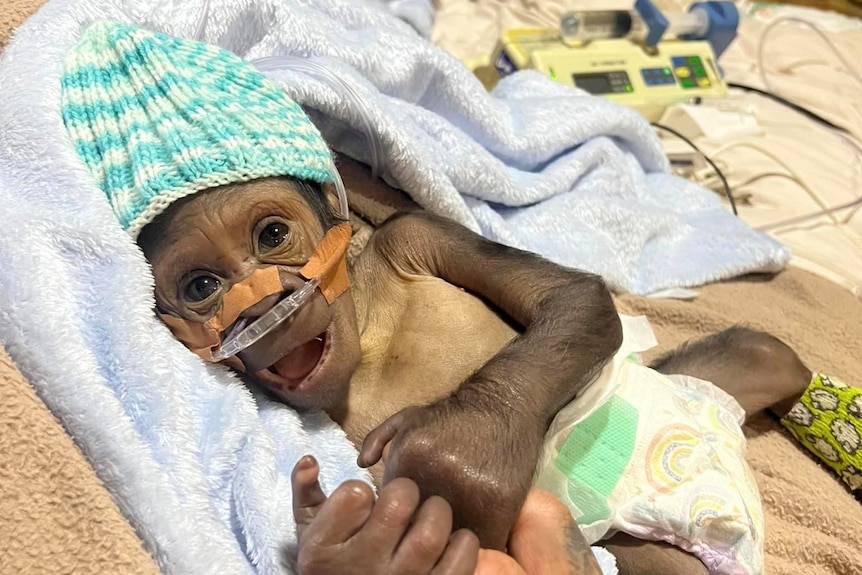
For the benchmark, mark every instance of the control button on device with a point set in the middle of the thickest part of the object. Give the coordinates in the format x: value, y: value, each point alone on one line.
x: 687, y: 83
x: 704, y: 82
x: 682, y: 72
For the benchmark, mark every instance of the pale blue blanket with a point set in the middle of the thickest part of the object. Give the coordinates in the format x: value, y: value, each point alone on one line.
x: 199, y: 465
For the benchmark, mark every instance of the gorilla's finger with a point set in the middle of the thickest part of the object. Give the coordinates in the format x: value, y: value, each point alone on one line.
x: 375, y: 442
x: 342, y: 515
x: 308, y: 497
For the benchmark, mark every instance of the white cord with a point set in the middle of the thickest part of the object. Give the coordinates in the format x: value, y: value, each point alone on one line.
x: 826, y: 211
x: 783, y: 20
x: 751, y: 145
x: 745, y: 144
x: 849, y: 233
x: 201, y: 25
x: 764, y: 175
x: 855, y: 146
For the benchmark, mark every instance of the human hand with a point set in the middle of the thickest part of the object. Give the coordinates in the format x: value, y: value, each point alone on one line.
x: 544, y: 539
x: 351, y: 533
x: 480, y: 462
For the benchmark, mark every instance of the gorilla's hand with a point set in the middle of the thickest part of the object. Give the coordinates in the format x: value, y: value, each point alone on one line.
x: 479, y: 460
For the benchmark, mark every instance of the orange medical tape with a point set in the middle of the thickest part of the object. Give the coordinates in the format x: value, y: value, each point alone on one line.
x: 198, y: 337
x: 262, y: 283
x: 204, y: 338
x: 329, y: 262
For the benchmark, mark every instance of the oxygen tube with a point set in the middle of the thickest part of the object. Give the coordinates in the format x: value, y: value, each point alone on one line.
x: 345, y: 90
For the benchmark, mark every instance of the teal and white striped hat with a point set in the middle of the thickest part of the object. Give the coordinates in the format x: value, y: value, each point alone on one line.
x: 157, y: 118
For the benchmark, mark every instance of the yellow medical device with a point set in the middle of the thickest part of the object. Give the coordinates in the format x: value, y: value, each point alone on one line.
x: 631, y: 64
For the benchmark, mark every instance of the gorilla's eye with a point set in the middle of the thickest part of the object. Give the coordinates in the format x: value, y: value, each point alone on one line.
x: 200, y: 288
x: 273, y: 236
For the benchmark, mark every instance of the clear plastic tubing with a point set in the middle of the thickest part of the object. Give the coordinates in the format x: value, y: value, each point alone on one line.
x: 286, y: 307
x: 283, y: 309
x: 270, y: 320
x: 266, y: 323
x: 807, y: 217
x: 326, y: 76
x: 203, y: 18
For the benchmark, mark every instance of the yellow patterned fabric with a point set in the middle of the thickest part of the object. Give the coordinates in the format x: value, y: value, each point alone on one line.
x: 828, y: 421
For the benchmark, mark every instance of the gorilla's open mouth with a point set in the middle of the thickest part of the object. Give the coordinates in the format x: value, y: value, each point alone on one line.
x: 300, y: 365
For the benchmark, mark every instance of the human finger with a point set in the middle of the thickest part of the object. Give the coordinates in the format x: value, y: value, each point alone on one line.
x: 460, y: 556
x: 427, y: 537
x: 493, y: 562
x: 545, y: 538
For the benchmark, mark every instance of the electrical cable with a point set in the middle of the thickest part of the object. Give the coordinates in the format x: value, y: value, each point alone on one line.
x: 839, y: 131
x: 794, y: 177
x: 806, y: 217
x: 842, y: 132
x: 795, y: 107
x: 752, y: 146
x: 708, y: 160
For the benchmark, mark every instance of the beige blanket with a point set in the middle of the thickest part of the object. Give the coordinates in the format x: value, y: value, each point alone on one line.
x: 55, y: 515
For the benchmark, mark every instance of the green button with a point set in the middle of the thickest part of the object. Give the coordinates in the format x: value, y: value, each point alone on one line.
x: 699, y: 71
x: 666, y: 71
x: 629, y: 88
x: 687, y: 82
x: 694, y: 60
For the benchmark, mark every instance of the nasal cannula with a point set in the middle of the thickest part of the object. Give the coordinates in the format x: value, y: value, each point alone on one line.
x: 287, y: 306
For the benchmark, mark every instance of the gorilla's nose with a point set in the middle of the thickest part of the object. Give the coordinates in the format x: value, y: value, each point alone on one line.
x: 263, y: 305
x: 289, y: 283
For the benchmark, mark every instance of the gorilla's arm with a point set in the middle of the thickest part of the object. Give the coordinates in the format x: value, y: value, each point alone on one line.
x: 478, y: 448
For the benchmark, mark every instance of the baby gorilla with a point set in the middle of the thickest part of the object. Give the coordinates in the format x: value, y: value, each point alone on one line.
x: 448, y: 357
x: 410, y: 332
x: 169, y: 130
x: 472, y: 345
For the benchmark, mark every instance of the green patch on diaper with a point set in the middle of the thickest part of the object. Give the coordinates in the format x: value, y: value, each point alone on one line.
x: 595, y: 455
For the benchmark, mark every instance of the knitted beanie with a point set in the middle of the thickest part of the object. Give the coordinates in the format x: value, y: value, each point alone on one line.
x: 157, y: 118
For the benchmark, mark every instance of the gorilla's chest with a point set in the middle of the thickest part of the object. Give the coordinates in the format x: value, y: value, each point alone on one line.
x: 426, y: 339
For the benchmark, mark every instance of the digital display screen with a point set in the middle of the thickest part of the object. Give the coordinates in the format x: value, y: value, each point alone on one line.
x: 593, y: 83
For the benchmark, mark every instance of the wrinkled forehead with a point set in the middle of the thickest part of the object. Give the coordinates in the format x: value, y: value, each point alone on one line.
x: 225, y: 210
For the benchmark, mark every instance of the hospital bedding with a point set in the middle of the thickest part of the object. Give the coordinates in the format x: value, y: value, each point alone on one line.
x: 800, y: 66
x: 808, y: 535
